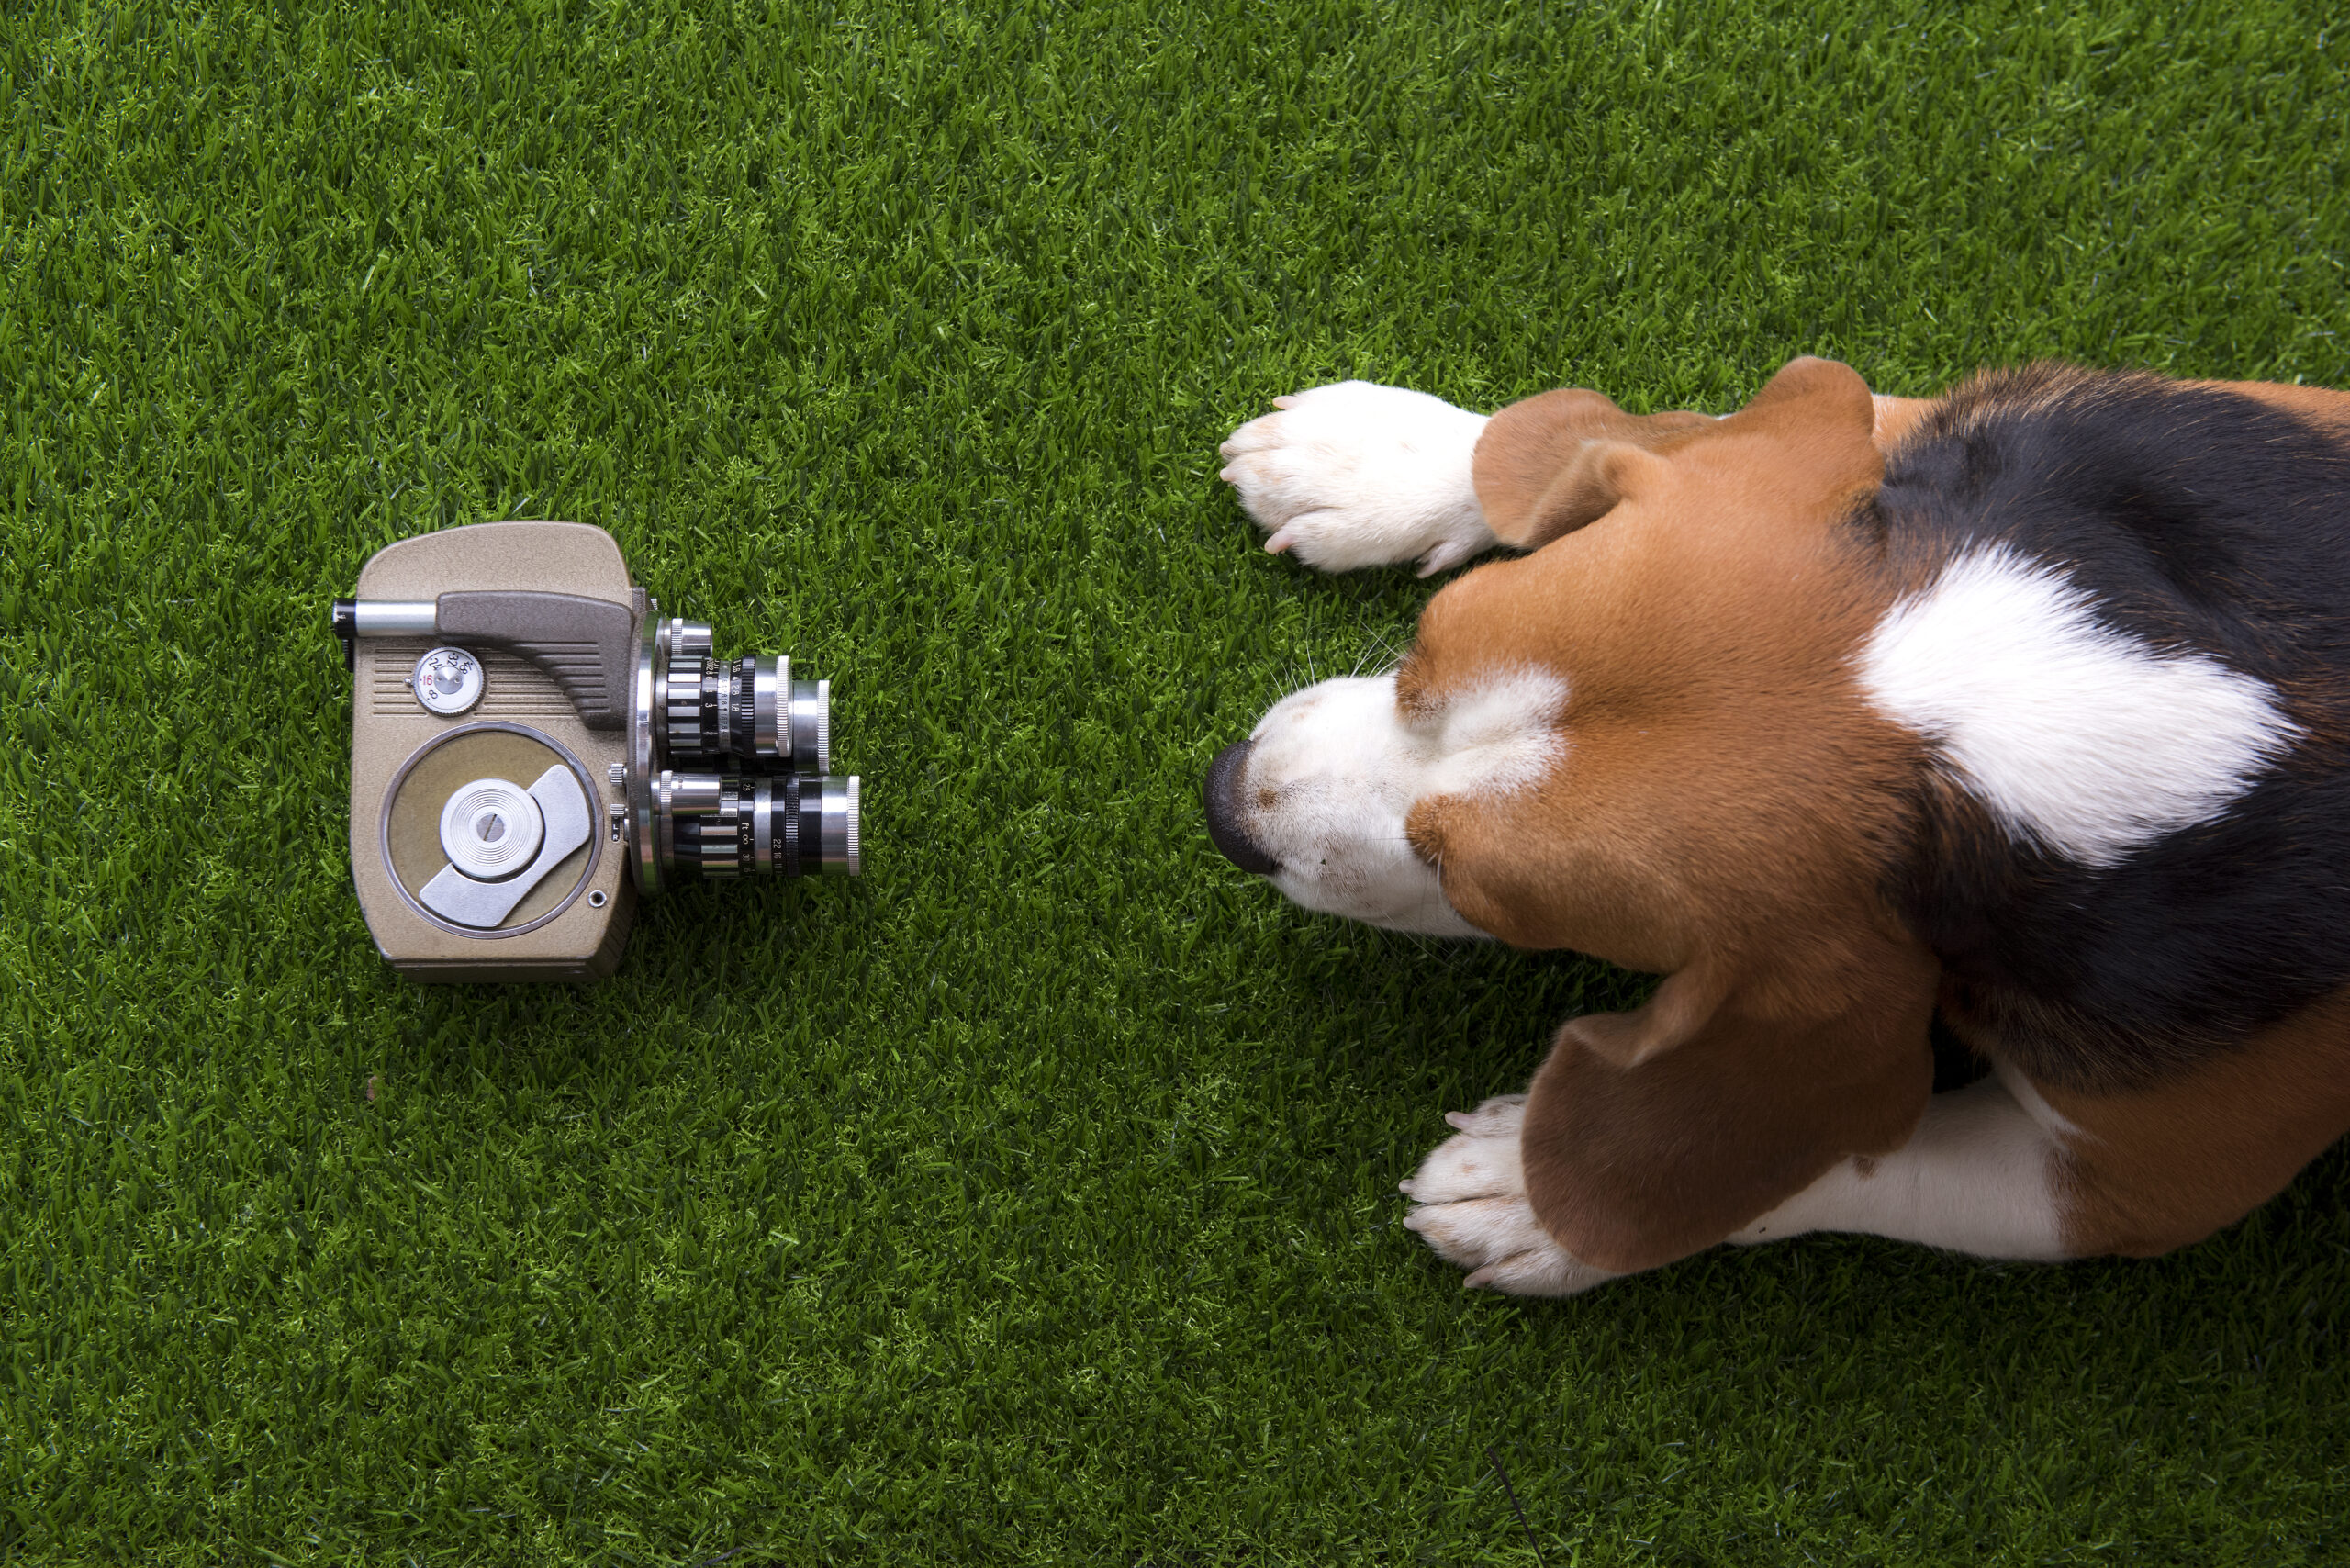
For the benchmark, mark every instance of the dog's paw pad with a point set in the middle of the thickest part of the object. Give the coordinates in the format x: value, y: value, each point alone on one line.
x: 1471, y: 1208
x: 1356, y: 475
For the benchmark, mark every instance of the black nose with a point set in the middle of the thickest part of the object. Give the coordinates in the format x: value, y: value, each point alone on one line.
x: 1224, y: 811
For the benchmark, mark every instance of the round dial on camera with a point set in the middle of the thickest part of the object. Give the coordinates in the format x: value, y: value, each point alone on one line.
x: 447, y: 681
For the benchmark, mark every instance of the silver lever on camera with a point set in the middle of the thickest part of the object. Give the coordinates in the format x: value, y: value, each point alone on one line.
x: 502, y: 841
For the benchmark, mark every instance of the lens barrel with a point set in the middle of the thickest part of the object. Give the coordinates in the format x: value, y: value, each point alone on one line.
x: 730, y: 776
x: 749, y: 709
x: 790, y: 824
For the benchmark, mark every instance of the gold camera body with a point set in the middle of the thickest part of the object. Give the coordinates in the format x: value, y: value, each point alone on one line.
x: 532, y: 749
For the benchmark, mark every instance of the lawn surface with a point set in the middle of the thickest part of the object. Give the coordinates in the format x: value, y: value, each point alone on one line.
x: 1033, y: 1199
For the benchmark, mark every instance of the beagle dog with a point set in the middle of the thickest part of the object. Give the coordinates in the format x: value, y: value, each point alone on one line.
x: 2015, y: 721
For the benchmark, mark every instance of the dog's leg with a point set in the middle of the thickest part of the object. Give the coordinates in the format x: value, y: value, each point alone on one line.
x: 1979, y: 1176
x: 2166, y: 1164
x: 2002, y: 1169
x: 1997, y: 1169
x: 1982, y: 1174
x: 1471, y: 1208
x: 1356, y: 475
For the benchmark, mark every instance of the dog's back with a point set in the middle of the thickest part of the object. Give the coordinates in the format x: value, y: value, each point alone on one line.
x: 2145, y: 594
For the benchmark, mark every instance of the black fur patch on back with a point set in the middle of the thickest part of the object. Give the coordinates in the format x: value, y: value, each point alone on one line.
x: 2198, y: 519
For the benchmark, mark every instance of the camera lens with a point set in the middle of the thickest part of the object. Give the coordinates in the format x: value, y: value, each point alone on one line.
x: 791, y: 824
x: 761, y: 801
x: 777, y: 719
x: 749, y: 709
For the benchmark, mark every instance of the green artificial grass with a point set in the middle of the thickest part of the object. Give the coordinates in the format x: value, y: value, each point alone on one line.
x: 1033, y: 1199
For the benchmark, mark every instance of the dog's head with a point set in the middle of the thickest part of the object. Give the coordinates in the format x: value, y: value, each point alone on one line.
x: 1645, y: 741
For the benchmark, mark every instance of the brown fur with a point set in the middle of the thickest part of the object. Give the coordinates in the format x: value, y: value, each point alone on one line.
x: 1896, y: 417
x: 2157, y: 1168
x: 1749, y: 1104
x: 1540, y: 470
x: 1721, y: 816
x: 1725, y: 808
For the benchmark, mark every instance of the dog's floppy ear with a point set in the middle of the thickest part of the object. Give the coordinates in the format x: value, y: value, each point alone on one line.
x: 1813, y: 391
x: 1547, y: 466
x: 1654, y: 1133
x: 1550, y: 464
x: 1818, y: 422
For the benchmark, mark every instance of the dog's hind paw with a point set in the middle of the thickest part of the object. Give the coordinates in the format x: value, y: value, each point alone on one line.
x: 1356, y: 475
x: 1469, y: 1198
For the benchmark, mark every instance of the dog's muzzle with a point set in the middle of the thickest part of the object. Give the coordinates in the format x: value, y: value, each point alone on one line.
x: 1222, y: 795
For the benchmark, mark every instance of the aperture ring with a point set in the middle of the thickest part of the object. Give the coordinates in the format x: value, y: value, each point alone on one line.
x: 787, y: 818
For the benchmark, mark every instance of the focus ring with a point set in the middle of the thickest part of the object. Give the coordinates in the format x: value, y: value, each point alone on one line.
x: 741, y: 741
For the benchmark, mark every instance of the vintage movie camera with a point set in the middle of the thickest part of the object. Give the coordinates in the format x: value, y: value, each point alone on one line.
x: 532, y: 747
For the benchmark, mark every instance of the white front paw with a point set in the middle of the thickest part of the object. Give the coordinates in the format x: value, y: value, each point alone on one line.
x: 1471, y: 1198
x: 1356, y: 475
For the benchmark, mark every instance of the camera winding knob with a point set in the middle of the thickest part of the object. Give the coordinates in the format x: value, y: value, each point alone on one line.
x: 490, y: 829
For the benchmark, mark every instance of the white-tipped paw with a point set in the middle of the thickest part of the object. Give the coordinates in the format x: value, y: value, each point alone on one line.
x: 1469, y: 1198
x: 1356, y: 475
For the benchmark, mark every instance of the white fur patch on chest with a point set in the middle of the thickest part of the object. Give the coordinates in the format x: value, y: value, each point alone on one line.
x: 2077, y: 735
